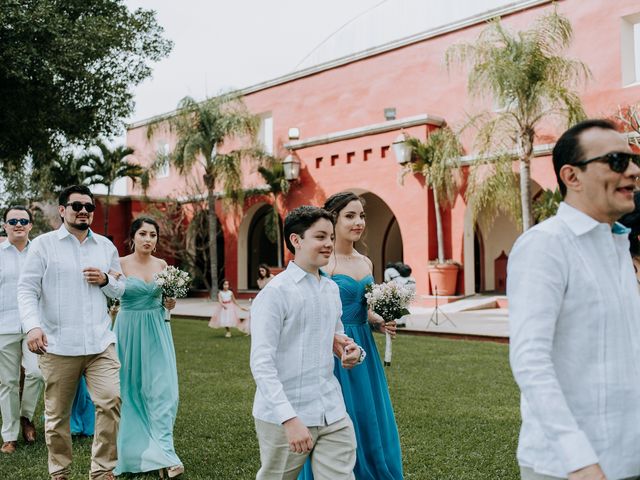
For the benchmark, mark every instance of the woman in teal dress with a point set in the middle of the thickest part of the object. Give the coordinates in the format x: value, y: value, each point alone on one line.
x: 83, y: 412
x: 148, y: 376
x: 364, y: 388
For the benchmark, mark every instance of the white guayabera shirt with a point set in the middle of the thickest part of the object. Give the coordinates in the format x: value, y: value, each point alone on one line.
x: 11, y: 260
x: 574, y: 316
x: 54, y: 295
x: 293, y: 322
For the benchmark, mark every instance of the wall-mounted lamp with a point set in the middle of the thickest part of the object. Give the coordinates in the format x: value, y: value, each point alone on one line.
x: 390, y: 113
x: 291, y: 166
x: 401, y: 150
x: 294, y: 133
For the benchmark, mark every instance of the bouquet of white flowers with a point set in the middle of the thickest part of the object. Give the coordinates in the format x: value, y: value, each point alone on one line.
x: 390, y: 301
x: 174, y: 284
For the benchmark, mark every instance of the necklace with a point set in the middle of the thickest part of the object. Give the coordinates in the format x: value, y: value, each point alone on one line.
x: 351, y: 256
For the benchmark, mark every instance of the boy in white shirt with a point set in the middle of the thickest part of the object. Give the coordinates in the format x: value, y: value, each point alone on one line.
x: 298, y: 408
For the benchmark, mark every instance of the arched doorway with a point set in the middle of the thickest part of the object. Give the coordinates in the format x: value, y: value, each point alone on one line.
x: 260, y: 248
x: 382, y: 242
x: 199, y: 241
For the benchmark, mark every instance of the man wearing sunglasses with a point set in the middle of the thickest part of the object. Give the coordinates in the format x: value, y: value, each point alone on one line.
x: 13, y: 344
x: 574, y: 314
x: 62, y: 297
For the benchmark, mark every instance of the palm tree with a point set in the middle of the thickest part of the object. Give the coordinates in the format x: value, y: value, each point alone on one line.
x: 201, y: 129
x: 273, y: 174
x: 437, y: 158
x: 110, y: 165
x: 526, y: 74
x: 68, y: 169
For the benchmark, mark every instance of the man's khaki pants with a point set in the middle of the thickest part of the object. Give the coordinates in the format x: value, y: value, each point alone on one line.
x: 61, y: 375
x: 13, y: 353
x: 332, y: 458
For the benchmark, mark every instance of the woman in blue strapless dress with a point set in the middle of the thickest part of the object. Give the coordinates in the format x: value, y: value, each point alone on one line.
x: 83, y: 412
x: 148, y: 376
x: 364, y: 387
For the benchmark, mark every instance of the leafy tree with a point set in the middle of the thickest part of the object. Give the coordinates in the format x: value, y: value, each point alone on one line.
x: 67, y: 69
x: 201, y: 129
x: 437, y: 158
x: 273, y: 174
x: 546, y: 204
x: 528, y: 76
x: 68, y: 169
x: 110, y: 165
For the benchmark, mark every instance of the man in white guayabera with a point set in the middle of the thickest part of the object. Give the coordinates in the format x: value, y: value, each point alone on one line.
x: 574, y: 315
x: 62, y: 298
x: 15, y: 411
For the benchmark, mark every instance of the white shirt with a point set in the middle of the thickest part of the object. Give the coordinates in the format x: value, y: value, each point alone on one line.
x: 293, y: 321
x: 54, y: 295
x: 11, y: 260
x: 575, y: 346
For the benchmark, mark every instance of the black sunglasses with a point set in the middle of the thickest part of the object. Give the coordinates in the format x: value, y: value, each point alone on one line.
x: 22, y: 221
x: 78, y: 206
x: 618, y: 161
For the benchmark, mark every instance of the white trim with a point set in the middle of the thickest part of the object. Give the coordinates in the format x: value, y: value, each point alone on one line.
x: 386, y: 47
x: 422, y: 119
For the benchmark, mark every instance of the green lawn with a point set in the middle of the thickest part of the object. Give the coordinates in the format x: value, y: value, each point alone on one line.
x: 455, y: 402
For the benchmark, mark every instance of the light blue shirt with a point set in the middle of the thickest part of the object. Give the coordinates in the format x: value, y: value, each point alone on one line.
x: 11, y: 260
x: 54, y: 295
x: 293, y: 322
x: 574, y: 313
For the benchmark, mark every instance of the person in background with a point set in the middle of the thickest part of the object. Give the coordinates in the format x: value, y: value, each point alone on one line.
x: 227, y: 312
x: 15, y: 411
x: 264, y: 276
x: 632, y: 221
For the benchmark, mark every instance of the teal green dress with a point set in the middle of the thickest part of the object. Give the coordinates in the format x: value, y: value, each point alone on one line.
x: 365, y: 392
x: 148, y: 381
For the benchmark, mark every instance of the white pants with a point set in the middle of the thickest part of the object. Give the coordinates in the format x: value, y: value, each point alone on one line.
x: 13, y: 353
x: 332, y: 458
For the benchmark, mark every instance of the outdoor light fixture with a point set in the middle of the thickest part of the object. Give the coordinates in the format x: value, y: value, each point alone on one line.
x: 390, y: 113
x: 401, y: 150
x: 294, y: 133
x: 291, y: 166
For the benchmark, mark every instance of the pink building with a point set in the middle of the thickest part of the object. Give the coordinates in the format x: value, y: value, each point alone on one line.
x: 345, y: 140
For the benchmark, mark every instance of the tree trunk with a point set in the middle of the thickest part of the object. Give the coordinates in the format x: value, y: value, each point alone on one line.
x: 439, y: 234
x: 278, y: 232
x: 213, y: 238
x: 525, y: 177
x: 106, y: 211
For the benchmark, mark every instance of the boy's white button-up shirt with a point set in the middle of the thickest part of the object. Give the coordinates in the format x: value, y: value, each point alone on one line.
x: 293, y: 322
x: 574, y: 315
x: 11, y: 260
x: 54, y: 295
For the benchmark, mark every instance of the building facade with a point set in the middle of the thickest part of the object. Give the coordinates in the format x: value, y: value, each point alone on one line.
x: 348, y: 113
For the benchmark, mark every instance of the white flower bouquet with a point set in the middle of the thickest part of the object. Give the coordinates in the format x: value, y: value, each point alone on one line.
x: 390, y: 301
x: 174, y: 284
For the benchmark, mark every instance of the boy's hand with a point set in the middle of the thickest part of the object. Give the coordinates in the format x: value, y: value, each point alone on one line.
x: 350, y: 355
x: 298, y: 435
x: 592, y: 472
x: 339, y: 344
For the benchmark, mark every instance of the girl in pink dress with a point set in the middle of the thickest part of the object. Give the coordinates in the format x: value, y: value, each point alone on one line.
x: 227, y: 312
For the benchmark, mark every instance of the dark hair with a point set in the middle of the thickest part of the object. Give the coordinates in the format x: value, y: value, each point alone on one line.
x: 336, y: 202
x: 63, y: 198
x: 568, y: 150
x: 632, y: 221
x: 300, y: 220
x: 22, y: 208
x: 221, y: 283
x: 266, y: 269
x: 137, y: 225
x: 403, y: 269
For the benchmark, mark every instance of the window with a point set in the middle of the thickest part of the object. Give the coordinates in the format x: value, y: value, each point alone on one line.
x: 265, y: 135
x: 630, y: 49
x: 163, y: 157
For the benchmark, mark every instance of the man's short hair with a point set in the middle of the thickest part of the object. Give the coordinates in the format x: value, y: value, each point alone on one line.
x: 63, y: 198
x: 300, y: 220
x: 22, y: 208
x: 568, y: 150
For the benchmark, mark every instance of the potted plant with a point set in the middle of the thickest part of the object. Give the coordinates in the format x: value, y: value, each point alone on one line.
x: 437, y: 159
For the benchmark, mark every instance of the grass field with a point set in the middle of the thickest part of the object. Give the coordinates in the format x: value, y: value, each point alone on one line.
x: 456, y: 405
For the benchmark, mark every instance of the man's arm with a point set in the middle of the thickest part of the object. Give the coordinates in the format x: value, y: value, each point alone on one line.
x: 267, y: 317
x: 30, y: 287
x: 536, y: 282
x: 114, y: 288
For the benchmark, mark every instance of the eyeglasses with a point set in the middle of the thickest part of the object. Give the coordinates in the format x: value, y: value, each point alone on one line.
x: 22, y: 221
x: 78, y: 206
x: 618, y: 161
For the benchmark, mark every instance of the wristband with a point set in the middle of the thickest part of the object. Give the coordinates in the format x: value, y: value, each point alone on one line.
x: 363, y: 355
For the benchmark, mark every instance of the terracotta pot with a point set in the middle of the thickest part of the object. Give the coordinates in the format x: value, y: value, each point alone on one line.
x: 443, y: 277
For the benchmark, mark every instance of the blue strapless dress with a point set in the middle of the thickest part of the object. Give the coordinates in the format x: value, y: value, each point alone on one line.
x: 148, y: 381
x: 365, y: 393
x: 83, y: 412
